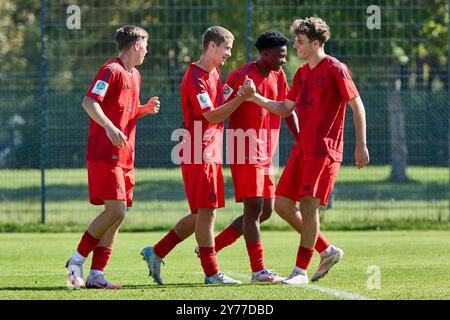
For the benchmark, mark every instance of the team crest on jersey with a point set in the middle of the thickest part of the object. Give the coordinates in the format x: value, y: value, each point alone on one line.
x: 204, y: 100
x: 227, y: 91
x: 100, y: 88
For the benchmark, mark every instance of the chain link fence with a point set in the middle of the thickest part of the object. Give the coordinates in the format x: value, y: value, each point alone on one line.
x: 397, y: 52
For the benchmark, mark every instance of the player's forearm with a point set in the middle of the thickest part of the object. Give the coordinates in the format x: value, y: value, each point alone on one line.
x: 221, y: 113
x: 96, y: 113
x: 359, y: 119
x: 292, y: 124
x: 276, y: 107
x: 143, y: 111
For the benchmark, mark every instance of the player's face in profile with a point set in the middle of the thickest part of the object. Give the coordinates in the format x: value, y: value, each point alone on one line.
x: 223, y: 52
x: 142, y: 50
x: 274, y: 58
x: 303, y: 46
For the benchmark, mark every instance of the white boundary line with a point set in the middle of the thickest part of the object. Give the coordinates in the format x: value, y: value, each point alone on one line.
x: 333, y: 292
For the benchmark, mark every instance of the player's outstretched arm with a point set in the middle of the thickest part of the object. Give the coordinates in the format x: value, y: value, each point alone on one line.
x: 151, y: 107
x: 224, y: 111
x: 359, y: 115
x: 281, y: 108
x: 93, y: 109
x: 292, y: 124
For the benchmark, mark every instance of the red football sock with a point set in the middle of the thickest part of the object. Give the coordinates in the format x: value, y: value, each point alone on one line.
x: 166, y: 244
x: 100, y: 258
x: 87, y: 244
x: 256, y: 255
x: 321, y: 244
x: 208, y: 261
x: 304, y: 256
x: 226, y: 238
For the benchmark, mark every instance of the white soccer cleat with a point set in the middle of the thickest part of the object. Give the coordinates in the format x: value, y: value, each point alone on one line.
x: 220, y: 278
x: 153, y: 263
x: 99, y: 282
x: 296, y: 278
x: 75, y: 274
x: 327, y: 261
x: 266, y: 275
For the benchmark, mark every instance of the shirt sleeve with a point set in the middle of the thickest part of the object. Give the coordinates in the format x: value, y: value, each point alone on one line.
x: 295, y: 89
x: 198, y: 94
x: 103, y: 80
x: 344, y: 81
x: 231, y: 87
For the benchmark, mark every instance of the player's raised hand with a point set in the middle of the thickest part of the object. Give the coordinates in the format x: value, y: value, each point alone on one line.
x: 117, y: 138
x: 249, y: 87
x: 153, y: 105
x: 361, y: 156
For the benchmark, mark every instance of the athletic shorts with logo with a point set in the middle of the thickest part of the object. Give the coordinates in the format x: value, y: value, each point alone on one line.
x: 253, y: 181
x: 109, y: 182
x: 308, y: 177
x: 204, y: 186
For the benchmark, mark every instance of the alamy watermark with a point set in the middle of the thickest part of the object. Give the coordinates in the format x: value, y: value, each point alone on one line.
x: 374, y: 20
x: 242, y: 147
x: 374, y: 279
x: 73, y: 21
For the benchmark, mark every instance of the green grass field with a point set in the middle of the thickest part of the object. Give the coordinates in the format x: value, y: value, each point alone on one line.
x: 360, y: 196
x: 412, y: 265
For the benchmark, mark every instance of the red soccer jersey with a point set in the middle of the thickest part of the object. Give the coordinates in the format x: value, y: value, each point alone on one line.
x: 320, y: 96
x: 201, y: 91
x: 117, y: 92
x: 260, y: 127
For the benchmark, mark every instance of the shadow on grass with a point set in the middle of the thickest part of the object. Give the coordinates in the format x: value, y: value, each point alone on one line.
x: 164, y: 190
x: 129, y: 287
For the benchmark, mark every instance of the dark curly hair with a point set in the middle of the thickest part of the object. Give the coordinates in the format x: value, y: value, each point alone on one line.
x: 270, y: 39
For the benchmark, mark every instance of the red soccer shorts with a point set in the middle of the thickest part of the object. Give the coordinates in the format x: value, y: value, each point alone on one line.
x: 313, y: 177
x: 252, y: 181
x: 203, y: 184
x: 109, y: 182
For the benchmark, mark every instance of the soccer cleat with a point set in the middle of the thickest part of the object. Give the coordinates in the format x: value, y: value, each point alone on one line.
x: 75, y: 274
x: 327, y: 261
x: 296, y: 278
x: 99, y: 282
x: 220, y: 278
x: 266, y: 275
x: 153, y: 263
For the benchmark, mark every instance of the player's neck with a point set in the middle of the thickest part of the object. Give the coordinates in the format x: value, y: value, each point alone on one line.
x: 262, y: 68
x: 316, y: 58
x: 206, y: 63
x: 127, y: 61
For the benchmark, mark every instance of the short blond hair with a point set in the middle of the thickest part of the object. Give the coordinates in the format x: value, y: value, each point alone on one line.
x: 216, y: 34
x: 313, y: 28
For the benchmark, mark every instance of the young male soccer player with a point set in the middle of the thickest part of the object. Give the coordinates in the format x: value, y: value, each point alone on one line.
x: 254, y: 180
x: 112, y: 102
x: 320, y: 91
x: 203, y: 113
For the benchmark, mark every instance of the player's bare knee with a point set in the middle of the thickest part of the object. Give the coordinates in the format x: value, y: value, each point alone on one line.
x: 266, y: 214
x: 282, y: 209
x: 117, y: 209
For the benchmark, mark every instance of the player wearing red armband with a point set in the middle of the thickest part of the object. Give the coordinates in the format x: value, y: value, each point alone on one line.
x: 112, y: 103
x: 201, y: 160
x: 320, y: 91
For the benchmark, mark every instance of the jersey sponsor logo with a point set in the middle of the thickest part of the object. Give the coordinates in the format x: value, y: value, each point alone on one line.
x: 100, y: 88
x: 227, y: 91
x: 204, y: 100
